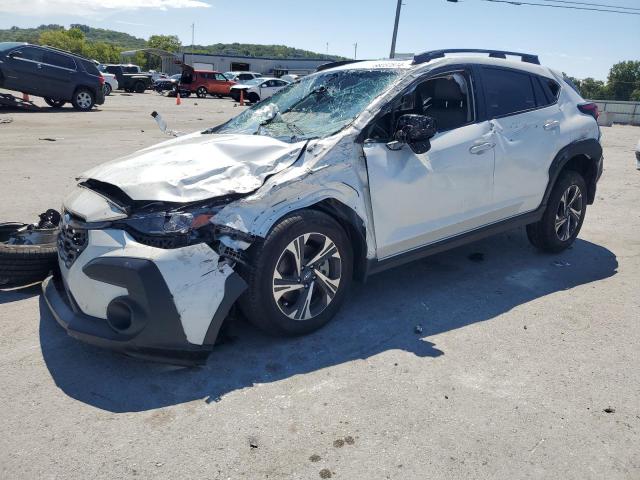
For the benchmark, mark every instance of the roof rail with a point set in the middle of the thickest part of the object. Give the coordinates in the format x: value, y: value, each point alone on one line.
x: 327, y: 66
x: 428, y: 56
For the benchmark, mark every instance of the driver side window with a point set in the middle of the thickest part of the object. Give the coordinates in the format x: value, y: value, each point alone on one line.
x: 447, y: 98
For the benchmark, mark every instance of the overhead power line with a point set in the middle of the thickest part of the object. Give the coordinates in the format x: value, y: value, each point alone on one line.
x: 568, y: 7
x: 590, y: 4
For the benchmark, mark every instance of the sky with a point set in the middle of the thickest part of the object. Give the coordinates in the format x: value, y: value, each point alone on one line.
x: 580, y: 43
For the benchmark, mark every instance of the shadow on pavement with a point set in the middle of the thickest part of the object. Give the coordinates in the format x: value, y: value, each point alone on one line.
x: 467, y: 285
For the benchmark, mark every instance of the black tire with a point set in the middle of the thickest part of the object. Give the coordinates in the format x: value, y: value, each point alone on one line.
x: 253, y: 97
x: 201, y: 92
x: 139, y: 87
x: 53, y: 103
x: 106, y: 89
x: 219, y: 96
x: 83, y: 99
x: 258, y: 303
x: 24, y: 264
x: 543, y: 234
x: 128, y: 90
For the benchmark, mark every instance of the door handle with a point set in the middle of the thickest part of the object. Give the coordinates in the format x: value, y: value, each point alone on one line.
x: 550, y: 125
x: 39, y: 65
x: 482, y: 147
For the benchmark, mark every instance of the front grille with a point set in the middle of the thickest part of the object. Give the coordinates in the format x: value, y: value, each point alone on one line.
x: 71, y: 241
x: 160, y: 241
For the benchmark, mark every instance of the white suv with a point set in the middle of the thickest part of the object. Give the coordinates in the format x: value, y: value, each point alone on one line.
x: 347, y: 172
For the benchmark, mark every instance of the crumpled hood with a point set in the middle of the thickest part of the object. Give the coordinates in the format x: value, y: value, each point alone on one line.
x: 198, y: 166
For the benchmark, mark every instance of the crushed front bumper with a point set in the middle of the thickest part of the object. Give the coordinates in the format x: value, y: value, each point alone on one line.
x: 163, y: 305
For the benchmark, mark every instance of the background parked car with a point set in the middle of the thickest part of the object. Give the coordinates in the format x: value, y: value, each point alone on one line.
x: 241, y: 76
x: 130, y: 77
x: 110, y: 83
x: 55, y: 75
x: 258, y: 89
x: 167, y: 84
x: 203, y: 82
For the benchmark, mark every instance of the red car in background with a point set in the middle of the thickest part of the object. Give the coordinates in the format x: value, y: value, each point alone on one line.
x: 203, y: 82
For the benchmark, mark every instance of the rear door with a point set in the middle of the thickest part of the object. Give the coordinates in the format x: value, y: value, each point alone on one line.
x: 526, y: 120
x: 59, y: 74
x: 23, y: 70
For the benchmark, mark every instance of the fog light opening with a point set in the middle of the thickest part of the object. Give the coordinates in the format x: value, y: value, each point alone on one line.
x: 119, y: 315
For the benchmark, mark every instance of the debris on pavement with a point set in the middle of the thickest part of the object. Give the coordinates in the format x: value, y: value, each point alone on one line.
x: 50, y: 139
x: 325, y: 473
x: 315, y: 458
x: 6, y: 120
x: 609, y: 410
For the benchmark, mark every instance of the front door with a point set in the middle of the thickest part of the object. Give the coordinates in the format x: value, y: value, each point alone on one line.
x: 419, y: 199
x: 22, y: 71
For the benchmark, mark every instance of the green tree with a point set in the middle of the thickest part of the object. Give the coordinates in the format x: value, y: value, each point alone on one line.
x: 170, y: 43
x: 624, y: 79
x: 593, y: 89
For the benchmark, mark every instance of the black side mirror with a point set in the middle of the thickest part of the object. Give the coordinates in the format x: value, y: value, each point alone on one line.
x: 415, y: 131
x: 14, y: 54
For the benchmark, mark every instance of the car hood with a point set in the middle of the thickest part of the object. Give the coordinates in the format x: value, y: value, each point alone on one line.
x: 198, y: 167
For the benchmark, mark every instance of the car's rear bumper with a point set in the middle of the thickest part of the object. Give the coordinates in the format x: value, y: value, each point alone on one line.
x: 99, y: 96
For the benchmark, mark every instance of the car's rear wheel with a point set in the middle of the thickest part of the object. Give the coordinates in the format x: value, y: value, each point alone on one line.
x: 53, y: 103
x: 83, y: 99
x: 139, y: 87
x: 201, y: 92
x: 564, y: 215
x: 300, y: 274
x: 107, y: 89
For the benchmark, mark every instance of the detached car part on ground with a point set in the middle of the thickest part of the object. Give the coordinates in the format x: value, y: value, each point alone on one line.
x: 347, y: 172
x: 28, y: 253
x: 55, y: 75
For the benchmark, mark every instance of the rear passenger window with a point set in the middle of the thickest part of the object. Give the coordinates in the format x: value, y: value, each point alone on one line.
x: 542, y: 100
x: 90, y: 67
x: 553, y: 86
x: 58, y: 60
x: 507, y: 92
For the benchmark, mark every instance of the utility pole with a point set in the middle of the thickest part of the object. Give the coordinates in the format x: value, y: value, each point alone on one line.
x: 355, y: 51
x: 193, y: 34
x: 395, y: 30
x: 327, y: 48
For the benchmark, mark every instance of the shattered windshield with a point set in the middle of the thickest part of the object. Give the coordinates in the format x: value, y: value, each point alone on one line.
x: 315, y: 107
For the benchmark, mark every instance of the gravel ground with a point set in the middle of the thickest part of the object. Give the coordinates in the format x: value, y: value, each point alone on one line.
x: 527, y: 366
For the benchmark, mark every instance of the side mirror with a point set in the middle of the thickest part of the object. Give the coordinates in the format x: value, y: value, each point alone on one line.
x: 14, y: 54
x: 415, y: 131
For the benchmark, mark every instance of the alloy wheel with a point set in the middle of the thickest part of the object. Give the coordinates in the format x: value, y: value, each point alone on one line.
x: 307, y: 276
x: 569, y: 213
x: 84, y: 100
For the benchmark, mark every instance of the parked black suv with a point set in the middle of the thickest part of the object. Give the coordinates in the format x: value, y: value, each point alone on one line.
x: 130, y: 78
x: 55, y: 75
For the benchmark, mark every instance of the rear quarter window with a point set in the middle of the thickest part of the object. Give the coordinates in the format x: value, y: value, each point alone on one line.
x: 90, y: 67
x: 507, y: 92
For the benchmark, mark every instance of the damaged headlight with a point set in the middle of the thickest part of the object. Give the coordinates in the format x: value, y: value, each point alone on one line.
x: 171, y: 229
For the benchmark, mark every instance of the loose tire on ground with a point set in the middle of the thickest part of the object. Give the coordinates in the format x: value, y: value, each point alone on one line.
x: 259, y: 304
x: 548, y: 234
x: 24, y: 264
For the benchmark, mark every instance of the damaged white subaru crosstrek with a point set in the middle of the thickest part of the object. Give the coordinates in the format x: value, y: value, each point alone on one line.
x: 351, y: 170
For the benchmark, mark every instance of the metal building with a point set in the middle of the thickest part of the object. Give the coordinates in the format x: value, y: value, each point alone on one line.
x: 267, y: 66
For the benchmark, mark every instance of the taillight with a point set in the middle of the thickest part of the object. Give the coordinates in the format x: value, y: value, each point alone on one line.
x: 101, y: 80
x: 589, y: 108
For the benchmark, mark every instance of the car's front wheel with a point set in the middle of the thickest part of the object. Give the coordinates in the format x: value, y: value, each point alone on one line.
x: 299, y: 274
x: 253, y: 97
x: 83, y: 99
x: 563, y: 217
